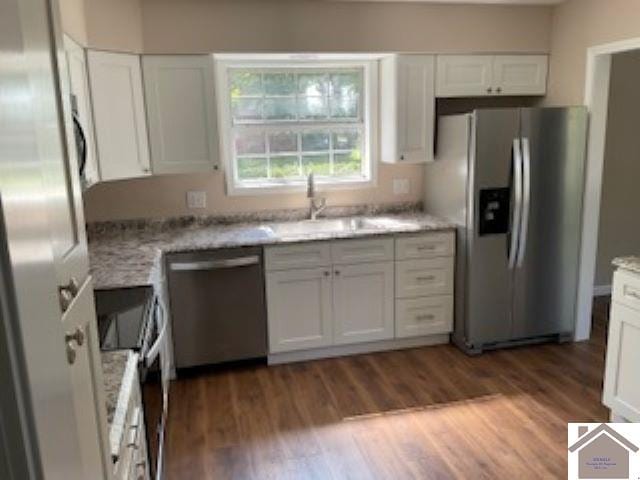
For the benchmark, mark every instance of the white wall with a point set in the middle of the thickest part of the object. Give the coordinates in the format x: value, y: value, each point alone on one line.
x: 619, y: 230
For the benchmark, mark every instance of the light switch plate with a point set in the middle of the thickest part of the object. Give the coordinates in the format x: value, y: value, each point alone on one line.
x: 196, y: 199
x: 400, y: 186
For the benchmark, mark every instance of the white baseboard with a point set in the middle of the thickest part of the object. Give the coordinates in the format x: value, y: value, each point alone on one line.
x: 342, y: 350
x: 600, y: 290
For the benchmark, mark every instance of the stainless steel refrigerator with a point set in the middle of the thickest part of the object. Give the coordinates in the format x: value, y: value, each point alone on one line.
x: 512, y: 180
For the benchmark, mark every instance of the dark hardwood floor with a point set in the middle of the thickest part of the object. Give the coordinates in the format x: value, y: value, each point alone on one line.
x: 424, y: 413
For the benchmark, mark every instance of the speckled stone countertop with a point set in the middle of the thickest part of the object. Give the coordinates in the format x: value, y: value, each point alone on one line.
x: 129, y: 254
x: 631, y: 263
x: 118, y: 373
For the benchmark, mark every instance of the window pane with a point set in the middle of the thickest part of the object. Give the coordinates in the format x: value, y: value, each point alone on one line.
x: 318, y: 164
x: 344, y: 107
x: 246, y: 109
x: 245, y: 83
x: 280, y: 108
x: 345, y: 84
x: 252, y: 168
x: 313, y: 107
x: 248, y: 143
x: 315, y: 141
x: 313, y: 84
x: 283, y: 142
x: 347, y: 163
x: 285, y: 167
x: 279, y: 84
x: 346, y: 140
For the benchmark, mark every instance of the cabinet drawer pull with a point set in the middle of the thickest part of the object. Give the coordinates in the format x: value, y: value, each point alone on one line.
x: 429, y: 316
x: 632, y: 294
x: 426, y: 247
x: 426, y: 278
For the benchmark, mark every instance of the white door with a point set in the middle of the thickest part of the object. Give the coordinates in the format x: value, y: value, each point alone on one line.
x: 119, y: 117
x: 79, y: 84
x: 299, y: 309
x: 520, y: 74
x: 621, y: 384
x: 363, y: 302
x: 416, y: 107
x: 464, y: 75
x: 181, y: 112
x: 83, y: 357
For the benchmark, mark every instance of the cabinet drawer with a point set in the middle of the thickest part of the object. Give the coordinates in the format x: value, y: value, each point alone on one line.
x: 420, y: 278
x: 431, y: 245
x: 300, y: 255
x: 362, y: 251
x: 626, y: 289
x: 424, y: 316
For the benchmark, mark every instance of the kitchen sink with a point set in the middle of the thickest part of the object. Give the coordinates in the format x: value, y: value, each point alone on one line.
x: 311, y: 227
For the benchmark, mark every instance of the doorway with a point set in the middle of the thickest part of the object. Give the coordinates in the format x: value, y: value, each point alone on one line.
x: 606, y: 232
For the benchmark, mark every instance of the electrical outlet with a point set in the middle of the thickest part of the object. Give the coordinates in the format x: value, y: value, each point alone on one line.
x: 196, y: 199
x: 400, y: 186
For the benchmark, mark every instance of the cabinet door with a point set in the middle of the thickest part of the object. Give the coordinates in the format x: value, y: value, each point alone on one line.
x: 179, y: 94
x: 416, y: 108
x: 464, y: 75
x: 621, y: 385
x: 520, y: 74
x: 363, y: 302
x: 407, y: 108
x: 299, y: 309
x: 79, y: 84
x: 119, y: 118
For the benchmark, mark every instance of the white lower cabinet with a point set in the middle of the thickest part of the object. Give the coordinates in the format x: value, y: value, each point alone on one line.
x: 621, y: 381
x: 357, y: 292
x: 363, y: 302
x: 299, y: 308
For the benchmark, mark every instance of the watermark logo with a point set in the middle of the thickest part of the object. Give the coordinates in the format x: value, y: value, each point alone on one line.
x: 604, y: 450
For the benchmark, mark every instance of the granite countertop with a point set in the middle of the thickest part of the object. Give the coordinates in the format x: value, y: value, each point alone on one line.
x: 631, y: 263
x: 118, y: 374
x: 129, y: 254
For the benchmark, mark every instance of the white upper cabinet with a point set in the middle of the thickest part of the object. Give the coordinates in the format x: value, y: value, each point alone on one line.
x: 181, y: 112
x: 82, y: 110
x: 487, y: 75
x: 407, y: 108
x: 119, y: 116
x: 520, y: 74
x: 464, y: 75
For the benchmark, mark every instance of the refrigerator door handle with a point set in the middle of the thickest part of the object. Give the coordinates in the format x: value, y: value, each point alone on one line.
x: 516, y: 156
x: 526, y: 199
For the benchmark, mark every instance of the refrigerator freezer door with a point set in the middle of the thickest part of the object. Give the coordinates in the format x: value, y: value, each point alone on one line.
x: 546, y: 273
x: 489, y: 292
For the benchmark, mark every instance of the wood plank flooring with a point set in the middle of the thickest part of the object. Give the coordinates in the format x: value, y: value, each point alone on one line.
x: 425, y: 413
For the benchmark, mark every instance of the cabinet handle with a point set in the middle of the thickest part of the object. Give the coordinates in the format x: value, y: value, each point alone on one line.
x: 401, y: 157
x: 633, y: 294
x: 426, y: 278
x: 326, y: 273
x: 429, y: 316
x: 489, y: 90
x: 337, y: 272
x: 499, y: 89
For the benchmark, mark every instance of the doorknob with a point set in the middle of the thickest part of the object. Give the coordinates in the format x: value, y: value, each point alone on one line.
x: 66, y: 293
x: 76, y: 337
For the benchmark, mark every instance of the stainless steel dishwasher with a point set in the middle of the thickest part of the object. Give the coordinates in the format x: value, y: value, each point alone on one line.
x: 217, y: 306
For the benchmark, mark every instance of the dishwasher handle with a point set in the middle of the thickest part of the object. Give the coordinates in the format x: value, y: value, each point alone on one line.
x: 215, y: 264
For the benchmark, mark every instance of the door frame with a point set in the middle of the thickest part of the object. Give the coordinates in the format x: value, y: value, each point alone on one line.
x: 597, y: 101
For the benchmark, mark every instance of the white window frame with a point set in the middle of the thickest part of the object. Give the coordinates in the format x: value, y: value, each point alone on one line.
x: 369, y: 105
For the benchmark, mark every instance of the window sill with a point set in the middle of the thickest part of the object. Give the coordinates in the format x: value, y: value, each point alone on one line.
x: 298, y: 187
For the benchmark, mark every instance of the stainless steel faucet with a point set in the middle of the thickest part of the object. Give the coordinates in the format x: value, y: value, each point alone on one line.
x: 316, y: 204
